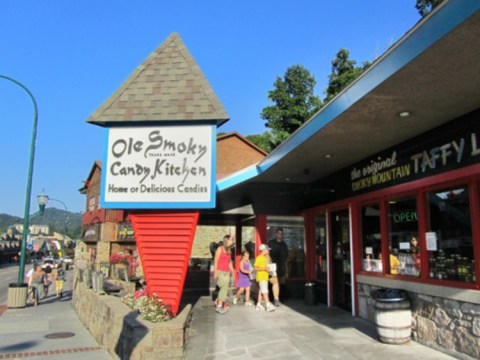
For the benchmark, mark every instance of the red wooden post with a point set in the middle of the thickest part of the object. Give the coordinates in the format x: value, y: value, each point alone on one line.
x: 164, y: 241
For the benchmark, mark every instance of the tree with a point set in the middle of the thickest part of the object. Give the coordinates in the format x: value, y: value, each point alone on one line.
x: 294, y: 101
x: 424, y: 7
x: 264, y: 141
x: 343, y: 73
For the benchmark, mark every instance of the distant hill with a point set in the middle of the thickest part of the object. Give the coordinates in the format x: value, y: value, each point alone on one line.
x: 53, y: 217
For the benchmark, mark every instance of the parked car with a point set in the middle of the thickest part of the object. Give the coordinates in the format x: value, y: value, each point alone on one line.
x: 67, y: 262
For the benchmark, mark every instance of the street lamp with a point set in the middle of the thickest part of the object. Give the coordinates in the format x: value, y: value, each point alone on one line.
x: 21, y: 270
x: 42, y: 200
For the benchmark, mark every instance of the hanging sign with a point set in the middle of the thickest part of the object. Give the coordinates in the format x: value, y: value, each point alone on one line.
x: 159, y: 167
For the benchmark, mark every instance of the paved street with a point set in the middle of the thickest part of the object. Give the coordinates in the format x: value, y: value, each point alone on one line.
x: 293, y: 331
x: 51, y: 330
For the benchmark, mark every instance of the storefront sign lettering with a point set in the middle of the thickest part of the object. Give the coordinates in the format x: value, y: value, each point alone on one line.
x: 384, y: 170
x: 149, y: 166
x: 429, y: 159
x: 378, y: 171
x: 404, y: 216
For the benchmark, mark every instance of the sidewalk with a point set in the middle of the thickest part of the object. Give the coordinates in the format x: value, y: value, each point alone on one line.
x: 292, y: 331
x: 50, y: 330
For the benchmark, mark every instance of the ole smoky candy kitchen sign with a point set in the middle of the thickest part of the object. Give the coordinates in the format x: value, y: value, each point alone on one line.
x: 159, y: 167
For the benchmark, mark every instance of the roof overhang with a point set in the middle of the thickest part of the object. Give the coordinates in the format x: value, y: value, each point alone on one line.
x: 432, y: 72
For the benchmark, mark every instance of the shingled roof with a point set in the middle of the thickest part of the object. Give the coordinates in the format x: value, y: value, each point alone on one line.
x: 167, y: 86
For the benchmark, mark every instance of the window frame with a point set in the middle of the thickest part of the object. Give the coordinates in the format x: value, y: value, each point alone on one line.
x: 420, y: 189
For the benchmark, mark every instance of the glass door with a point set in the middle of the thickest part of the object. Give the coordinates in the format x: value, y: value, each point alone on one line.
x: 321, y: 259
x: 341, y: 266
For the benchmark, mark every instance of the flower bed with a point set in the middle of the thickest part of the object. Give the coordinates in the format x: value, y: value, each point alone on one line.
x: 150, y: 308
x: 122, y: 331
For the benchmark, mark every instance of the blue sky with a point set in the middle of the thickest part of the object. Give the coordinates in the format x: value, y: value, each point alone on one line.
x: 72, y: 55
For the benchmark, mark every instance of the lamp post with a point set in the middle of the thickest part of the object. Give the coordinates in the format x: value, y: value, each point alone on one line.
x: 21, y: 270
x: 42, y: 200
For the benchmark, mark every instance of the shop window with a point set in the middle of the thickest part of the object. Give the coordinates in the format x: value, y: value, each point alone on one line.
x: 371, y: 239
x: 449, y: 241
x: 404, y: 247
x: 294, y: 238
x: 321, y: 261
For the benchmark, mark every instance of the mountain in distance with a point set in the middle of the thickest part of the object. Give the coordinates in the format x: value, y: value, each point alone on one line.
x: 53, y: 217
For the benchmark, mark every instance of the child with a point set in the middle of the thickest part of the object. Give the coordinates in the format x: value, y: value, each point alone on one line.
x: 243, y: 285
x: 261, y: 266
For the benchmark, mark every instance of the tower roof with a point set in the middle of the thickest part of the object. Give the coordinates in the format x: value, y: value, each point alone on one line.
x: 167, y: 86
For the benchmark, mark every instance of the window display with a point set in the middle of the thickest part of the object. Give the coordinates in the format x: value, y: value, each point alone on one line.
x: 404, y: 247
x: 449, y: 241
x: 321, y: 263
x: 294, y: 238
x: 371, y: 239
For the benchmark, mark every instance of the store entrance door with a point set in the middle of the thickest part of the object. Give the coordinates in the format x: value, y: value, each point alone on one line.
x: 341, y: 276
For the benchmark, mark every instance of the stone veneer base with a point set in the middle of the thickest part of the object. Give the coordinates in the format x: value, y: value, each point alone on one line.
x: 447, y: 325
x: 123, y: 333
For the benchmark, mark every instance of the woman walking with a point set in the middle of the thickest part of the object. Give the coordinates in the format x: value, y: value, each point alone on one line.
x: 222, y: 269
x: 38, y: 282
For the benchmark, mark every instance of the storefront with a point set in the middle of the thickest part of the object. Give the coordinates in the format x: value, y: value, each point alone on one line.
x: 385, y: 180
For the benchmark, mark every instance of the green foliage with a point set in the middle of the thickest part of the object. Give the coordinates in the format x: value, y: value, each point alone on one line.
x: 264, y: 141
x: 424, y: 7
x: 294, y: 102
x: 343, y: 73
x: 8, y: 220
x: 55, y: 218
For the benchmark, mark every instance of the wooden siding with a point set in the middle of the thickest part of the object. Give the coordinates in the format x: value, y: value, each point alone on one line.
x: 164, y: 242
x: 102, y: 216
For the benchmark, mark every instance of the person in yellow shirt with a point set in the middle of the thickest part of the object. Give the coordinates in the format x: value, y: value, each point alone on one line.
x: 261, y: 267
x: 394, y: 262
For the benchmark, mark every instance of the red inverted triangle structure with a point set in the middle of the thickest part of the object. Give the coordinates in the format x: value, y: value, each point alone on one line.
x: 164, y: 241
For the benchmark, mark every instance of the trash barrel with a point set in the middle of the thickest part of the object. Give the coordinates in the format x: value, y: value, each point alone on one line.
x: 393, y: 316
x: 17, y: 295
x: 310, y: 295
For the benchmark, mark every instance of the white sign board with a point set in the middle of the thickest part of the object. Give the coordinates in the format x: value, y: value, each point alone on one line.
x: 431, y: 241
x: 159, y: 167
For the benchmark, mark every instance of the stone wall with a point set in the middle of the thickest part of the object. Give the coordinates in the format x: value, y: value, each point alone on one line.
x: 123, y: 333
x: 447, y: 325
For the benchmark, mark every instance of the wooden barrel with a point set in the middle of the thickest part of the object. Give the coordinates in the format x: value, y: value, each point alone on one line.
x: 394, y: 321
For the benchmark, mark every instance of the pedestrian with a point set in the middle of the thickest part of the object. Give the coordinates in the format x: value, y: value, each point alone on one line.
x: 250, y: 247
x: 48, y: 277
x: 59, y: 279
x: 132, y: 263
x: 244, y: 282
x: 279, y: 256
x: 222, y: 270
x: 261, y: 267
x: 38, y: 283
x: 213, y: 249
x: 28, y: 281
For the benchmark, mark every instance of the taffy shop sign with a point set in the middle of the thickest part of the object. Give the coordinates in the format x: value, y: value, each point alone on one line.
x: 159, y: 167
x: 391, y: 167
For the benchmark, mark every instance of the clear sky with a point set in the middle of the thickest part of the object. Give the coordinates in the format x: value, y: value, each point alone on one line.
x: 72, y: 55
